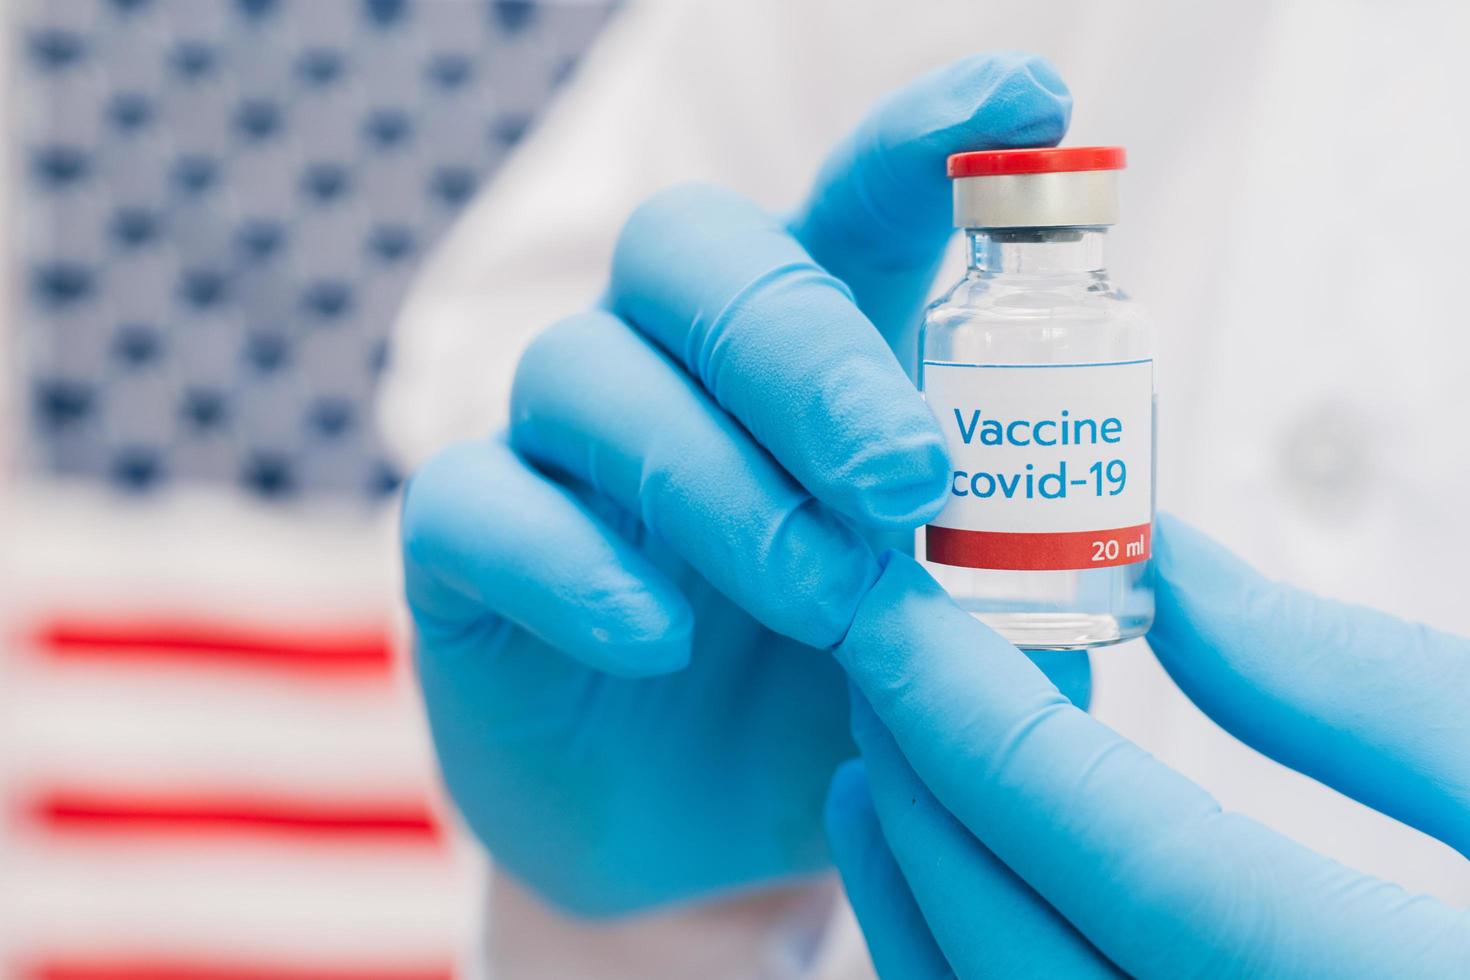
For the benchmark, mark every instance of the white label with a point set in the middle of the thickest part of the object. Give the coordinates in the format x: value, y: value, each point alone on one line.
x: 1052, y: 464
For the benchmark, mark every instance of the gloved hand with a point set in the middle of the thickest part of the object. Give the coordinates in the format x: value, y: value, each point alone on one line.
x: 992, y: 829
x: 621, y: 607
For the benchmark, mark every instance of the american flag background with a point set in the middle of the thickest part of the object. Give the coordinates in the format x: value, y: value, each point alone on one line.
x: 213, y: 759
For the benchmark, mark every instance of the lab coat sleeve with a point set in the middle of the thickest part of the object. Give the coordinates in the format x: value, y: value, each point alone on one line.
x: 793, y: 932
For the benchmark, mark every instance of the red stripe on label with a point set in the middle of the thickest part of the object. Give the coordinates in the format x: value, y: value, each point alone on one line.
x: 168, y: 968
x: 1012, y: 551
x: 355, y: 651
x: 188, y: 815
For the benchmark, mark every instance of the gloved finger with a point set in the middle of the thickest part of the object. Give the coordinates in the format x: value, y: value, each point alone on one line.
x: 778, y: 343
x: 1368, y: 704
x: 988, y: 921
x: 1138, y: 858
x: 898, y: 938
x: 1069, y: 670
x: 593, y: 399
x: 484, y: 536
x: 879, y: 214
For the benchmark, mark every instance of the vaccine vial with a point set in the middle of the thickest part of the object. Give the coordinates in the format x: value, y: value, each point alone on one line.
x: 1040, y: 373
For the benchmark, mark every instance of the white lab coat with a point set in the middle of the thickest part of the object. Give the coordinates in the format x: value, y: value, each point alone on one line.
x: 1294, y: 215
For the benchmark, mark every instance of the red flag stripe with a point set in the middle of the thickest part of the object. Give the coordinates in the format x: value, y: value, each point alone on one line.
x: 352, y: 650
x: 182, y: 815
x: 170, y: 968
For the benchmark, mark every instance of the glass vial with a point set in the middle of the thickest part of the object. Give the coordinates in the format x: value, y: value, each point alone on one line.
x: 1040, y: 373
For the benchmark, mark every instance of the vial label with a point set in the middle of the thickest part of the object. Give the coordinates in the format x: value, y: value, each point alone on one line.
x: 1053, y: 464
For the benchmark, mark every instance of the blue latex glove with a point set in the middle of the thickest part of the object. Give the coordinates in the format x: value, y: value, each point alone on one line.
x: 620, y: 609
x: 992, y: 829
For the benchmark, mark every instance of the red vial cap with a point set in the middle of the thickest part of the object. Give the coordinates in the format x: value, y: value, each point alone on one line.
x: 1047, y: 160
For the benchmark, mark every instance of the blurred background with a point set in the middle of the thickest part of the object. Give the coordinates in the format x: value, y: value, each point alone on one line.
x: 213, y: 760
